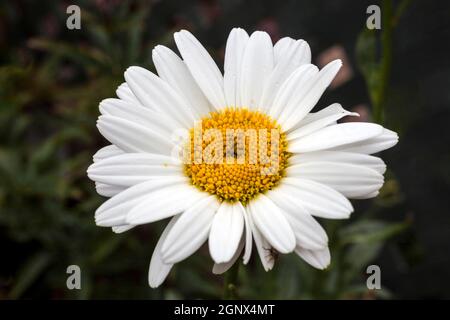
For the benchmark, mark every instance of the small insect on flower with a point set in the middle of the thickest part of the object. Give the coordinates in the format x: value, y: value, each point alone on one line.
x: 236, y: 159
x: 272, y: 254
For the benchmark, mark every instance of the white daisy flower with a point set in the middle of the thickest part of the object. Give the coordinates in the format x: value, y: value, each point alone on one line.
x: 319, y: 163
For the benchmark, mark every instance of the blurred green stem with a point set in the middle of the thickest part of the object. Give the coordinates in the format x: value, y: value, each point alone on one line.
x: 230, y: 282
x: 386, y: 60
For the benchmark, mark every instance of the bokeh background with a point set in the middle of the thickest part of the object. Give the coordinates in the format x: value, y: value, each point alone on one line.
x: 52, y: 80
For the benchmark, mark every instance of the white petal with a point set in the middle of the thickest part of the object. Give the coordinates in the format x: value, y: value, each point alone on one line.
x: 387, y: 139
x: 155, y: 93
x: 113, y: 211
x: 202, y: 67
x: 133, y: 137
x: 295, y: 85
x: 257, y: 65
x: 106, y: 152
x: 272, y: 223
x: 319, y: 123
x: 220, y: 268
x: 234, y: 54
x: 175, y: 72
x: 320, y: 200
x: 286, y: 45
x: 156, y: 121
x: 293, y: 56
x: 164, y: 203
x: 133, y: 168
x: 122, y: 228
x: 323, y: 113
x: 308, y: 232
x: 281, y: 47
x: 334, y: 136
x: 319, y: 259
x: 350, y: 180
x: 190, y: 231
x: 359, y: 159
x: 158, y: 269
x: 108, y: 190
x: 124, y: 93
x: 226, y: 231
x: 262, y: 246
x: 248, y: 238
x: 302, y: 101
x: 368, y: 196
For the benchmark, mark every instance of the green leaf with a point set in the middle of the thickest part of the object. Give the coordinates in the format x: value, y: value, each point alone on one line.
x: 29, y: 274
x: 370, y: 231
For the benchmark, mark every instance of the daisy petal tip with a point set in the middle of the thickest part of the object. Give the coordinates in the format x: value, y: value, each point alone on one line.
x: 219, y: 258
x: 337, y: 62
x: 154, y: 282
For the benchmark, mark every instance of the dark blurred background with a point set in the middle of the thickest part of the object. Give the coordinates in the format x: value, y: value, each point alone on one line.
x: 52, y: 79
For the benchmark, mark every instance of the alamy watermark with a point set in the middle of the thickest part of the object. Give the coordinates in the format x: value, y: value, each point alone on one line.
x: 73, y: 21
x: 373, y: 281
x: 234, y: 146
x: 74, y: 279
x: 374, y: 19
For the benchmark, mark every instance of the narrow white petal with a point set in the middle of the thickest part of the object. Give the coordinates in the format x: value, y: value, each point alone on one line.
x: 308, y: 232
x: 155, y: 93
x: 257, y: 65
x: 156, y: 121
x: 335, y: 136
x: 320, y: 200
x: 281, y: 47
x: 124, y: 93
x: 190, y: 231
x: 132, y: 168
x: 122, y: 228
x: 387, y: 139
x: 158, y: 269
x: 133, y: 137
x: 368, y: 196
x: 202, y: 67
x: 319, y: 259
x: 220, y: 268
x: 286, y: 45
x: 234, y: 54
x: 106, y: 152
x: 359, y: 159
x: 349, y: 179
x: 272, y: 223
x: 175, y: 72
x: 226, y: 231
x: 319, y: 123
x: 108, y: 190
x: 262, y: 246
x: 164, y: 203
x: 294, y: 86
x: 293, y: 56
x: 248, y: 238
x: 113, y: 211
x: 302, y: 101
x: 323, y: 113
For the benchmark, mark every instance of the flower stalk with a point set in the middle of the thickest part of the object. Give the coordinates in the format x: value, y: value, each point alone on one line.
x: 230, y: 283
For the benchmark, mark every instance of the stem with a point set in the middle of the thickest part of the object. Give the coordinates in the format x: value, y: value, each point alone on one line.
x: 230, y: 282
x: 386, y: 60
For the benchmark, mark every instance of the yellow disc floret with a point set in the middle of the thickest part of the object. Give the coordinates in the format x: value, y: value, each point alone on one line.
x: 236, y: 154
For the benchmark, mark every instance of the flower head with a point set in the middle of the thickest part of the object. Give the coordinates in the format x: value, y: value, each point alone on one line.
x: 235, y: 158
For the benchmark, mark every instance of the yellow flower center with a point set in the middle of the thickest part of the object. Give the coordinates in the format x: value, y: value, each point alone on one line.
x: 236, y: 154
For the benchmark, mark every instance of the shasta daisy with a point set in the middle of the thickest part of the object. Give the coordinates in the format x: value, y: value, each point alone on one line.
x: 233, y: 159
